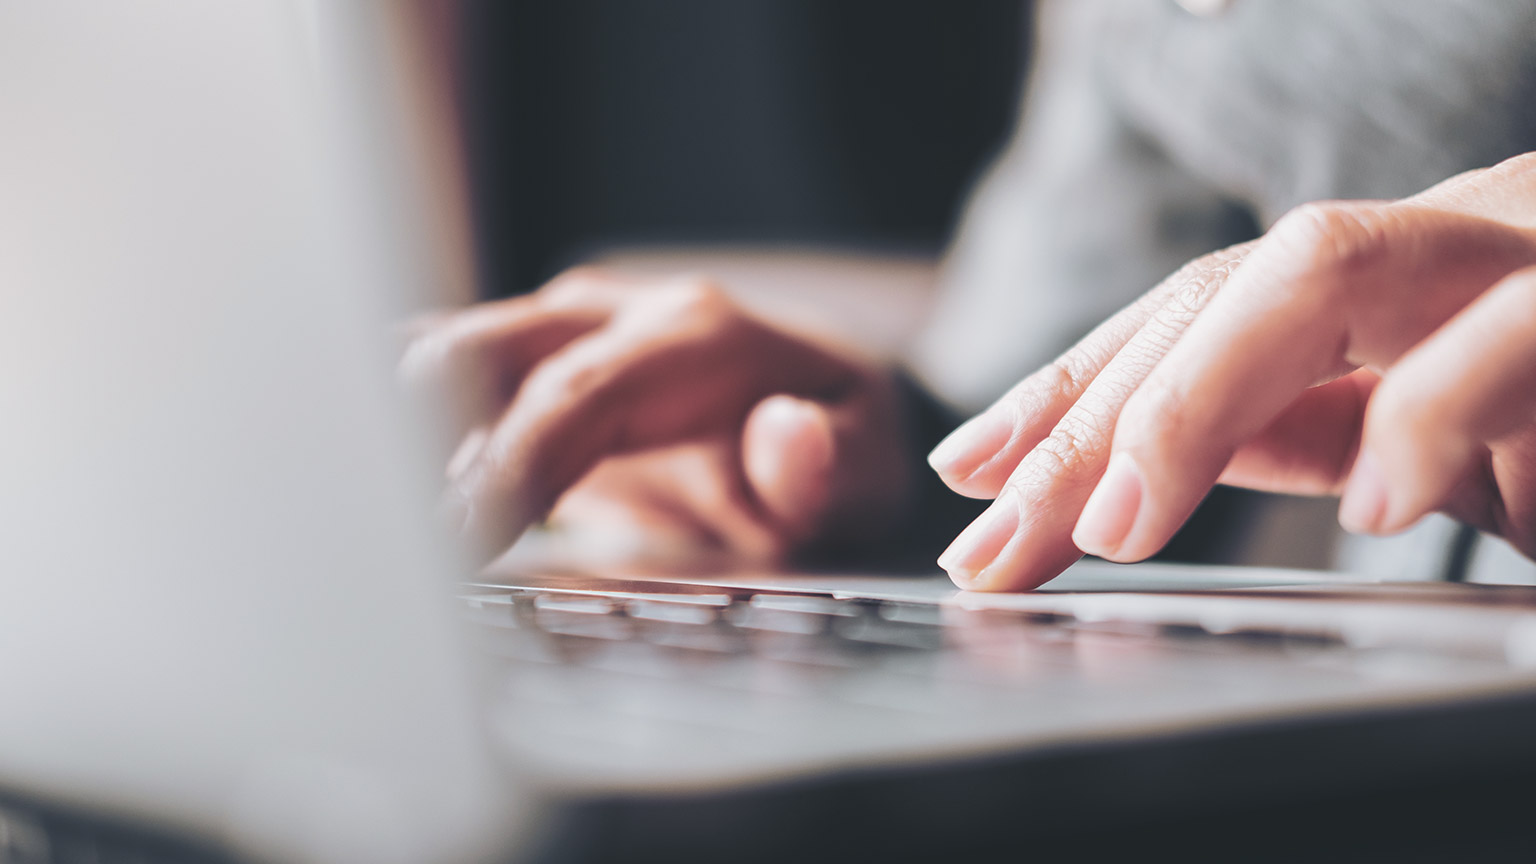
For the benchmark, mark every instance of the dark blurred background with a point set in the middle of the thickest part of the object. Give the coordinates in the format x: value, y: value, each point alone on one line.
x: 852, y: 124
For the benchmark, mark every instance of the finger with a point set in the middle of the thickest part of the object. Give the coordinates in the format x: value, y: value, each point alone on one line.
x: 1503, y: 192
x: 1024, y: 538
x: 408, y: 331
x: 1332, y: 286
x: 825, y: 474
x: 667, y: 371
x: 978, y: 457
x: 788, y: 451
x: 707, y: 488
x: 474, y: 359
x: 1309, y: 448
x: 1429, y: 423
x: 686, y: 502
x: 628, y: 518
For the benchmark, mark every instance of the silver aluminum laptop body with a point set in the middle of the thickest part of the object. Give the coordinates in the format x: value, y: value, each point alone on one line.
x: 224, y: 614
x: 201, y: 463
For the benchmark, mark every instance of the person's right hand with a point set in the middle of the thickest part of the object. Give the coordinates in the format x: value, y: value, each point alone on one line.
x: 664, y: 402
x: 1382, y: 350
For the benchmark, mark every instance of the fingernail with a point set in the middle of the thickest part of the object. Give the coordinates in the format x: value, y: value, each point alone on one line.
x: 1365, y: 496
x: 970, y: 446
x: 979, y: 544
x: 1111, y: 510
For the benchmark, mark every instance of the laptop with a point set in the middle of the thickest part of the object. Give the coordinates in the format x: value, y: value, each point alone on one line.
x: 229, y: 632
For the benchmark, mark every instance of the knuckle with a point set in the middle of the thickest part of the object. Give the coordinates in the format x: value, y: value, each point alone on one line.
x: 1197, y: 283
x: 578, y: 284
x: 1195, y: 279
x: 1076, y: 442
x: 1332, y: 235
x: 1069, y: 374
x: 563, y: 382
x: 1063, y: 379
x: 1515, y: 166
x: 1073, y: 450
x: 692, y: 308
x: 582, y: 274
x: 696, y: 296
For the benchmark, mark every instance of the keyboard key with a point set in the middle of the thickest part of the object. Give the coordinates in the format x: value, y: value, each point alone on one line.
x: 756, y: 617
x: 896, y: 634
x: 676, y: 613
x: 807, y: 604
x: 577, y: 603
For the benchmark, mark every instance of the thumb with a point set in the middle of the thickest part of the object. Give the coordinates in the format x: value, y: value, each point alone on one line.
x: 788, y: 450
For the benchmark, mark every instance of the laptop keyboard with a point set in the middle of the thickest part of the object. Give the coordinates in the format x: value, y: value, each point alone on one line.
x: 573, y: 627
x: 541, y: 626
x: 659, y: 678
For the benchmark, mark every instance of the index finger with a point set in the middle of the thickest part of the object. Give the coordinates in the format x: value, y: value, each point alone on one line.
x: 472, y: 360
x: 978, y: 458
x: 1332, y: 287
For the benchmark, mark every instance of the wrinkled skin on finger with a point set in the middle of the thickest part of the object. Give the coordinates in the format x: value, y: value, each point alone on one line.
x: 1376, y: 349
x: 1038, y: 450
x: 664, y: 406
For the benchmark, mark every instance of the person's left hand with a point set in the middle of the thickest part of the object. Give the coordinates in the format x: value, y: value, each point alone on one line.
x: 1383, y: 350
x: 665, y: 405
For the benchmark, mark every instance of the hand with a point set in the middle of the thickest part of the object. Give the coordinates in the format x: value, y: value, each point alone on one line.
x: 665, y: 403
x: 1383, y: 350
